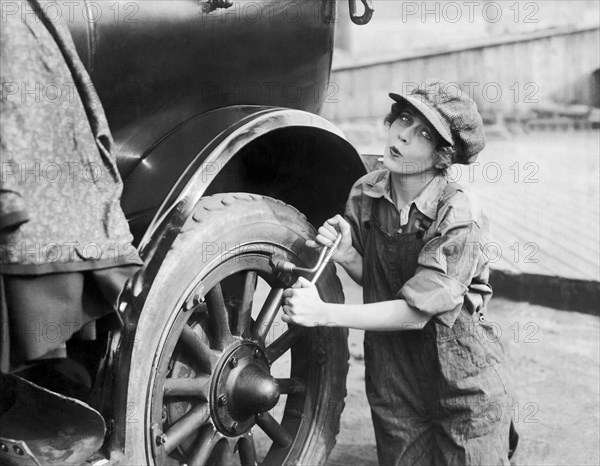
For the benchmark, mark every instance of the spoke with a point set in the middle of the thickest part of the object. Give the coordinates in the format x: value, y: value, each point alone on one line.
x: 188, y: 386
x: 276, y: 349
x: 274, y: 430
x: 218, y: 317
x: 186, y: 426
x: 291, y: 386
x: 223, y: 453
x: 247, y: 450
x: 245, y: 312
x: 267, y: 314
x: 204, y: 445
x: 198, y: 350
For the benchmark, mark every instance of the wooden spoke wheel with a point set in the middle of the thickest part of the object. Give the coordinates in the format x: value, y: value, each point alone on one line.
x: 202, y: 373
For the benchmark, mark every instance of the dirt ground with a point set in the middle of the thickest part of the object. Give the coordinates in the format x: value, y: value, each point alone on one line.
x: 554, y: 359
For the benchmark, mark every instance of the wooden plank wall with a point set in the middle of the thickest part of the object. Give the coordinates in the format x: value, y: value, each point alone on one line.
x: 507, y: 76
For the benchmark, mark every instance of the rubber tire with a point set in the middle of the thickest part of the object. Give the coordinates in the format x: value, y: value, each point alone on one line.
x: 229, y: 220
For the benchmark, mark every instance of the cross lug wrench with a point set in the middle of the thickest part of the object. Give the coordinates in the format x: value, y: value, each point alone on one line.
x: 327, y: 252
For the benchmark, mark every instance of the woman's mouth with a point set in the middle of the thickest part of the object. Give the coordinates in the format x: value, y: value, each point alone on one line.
x: 395, y: 152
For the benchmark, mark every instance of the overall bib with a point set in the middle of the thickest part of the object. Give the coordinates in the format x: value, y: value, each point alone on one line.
x: 436, y: 394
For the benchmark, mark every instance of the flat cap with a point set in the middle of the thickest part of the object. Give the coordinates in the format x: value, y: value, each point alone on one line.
x: 452, y: 113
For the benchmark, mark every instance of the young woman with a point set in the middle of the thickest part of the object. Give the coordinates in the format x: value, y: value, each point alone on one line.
x: 415, y: 242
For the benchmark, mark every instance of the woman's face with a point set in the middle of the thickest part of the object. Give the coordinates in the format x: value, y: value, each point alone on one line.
x: 410, y: 145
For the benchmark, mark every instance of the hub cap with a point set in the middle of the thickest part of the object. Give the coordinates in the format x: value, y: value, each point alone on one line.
x: 242, y: 387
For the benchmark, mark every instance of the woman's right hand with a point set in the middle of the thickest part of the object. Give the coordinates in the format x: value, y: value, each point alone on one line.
x: 327, y: 234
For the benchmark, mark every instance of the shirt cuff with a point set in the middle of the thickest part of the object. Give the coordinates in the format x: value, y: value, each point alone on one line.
x: 435, y: 294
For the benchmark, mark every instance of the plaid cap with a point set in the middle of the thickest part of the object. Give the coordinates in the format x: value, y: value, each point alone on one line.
x: 452, y: 113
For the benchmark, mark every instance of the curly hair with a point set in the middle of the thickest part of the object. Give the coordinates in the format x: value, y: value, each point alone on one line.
x: 444, y: 154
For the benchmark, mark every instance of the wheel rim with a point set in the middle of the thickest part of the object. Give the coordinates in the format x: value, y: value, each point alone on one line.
x: 212, y: 384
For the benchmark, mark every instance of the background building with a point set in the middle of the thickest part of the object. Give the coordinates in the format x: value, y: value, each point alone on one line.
x: 518, y: 60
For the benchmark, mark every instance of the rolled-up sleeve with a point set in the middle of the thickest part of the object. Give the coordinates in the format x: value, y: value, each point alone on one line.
x: 447, y: 265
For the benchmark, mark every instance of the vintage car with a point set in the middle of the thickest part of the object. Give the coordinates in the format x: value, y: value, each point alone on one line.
x: 226, y: 168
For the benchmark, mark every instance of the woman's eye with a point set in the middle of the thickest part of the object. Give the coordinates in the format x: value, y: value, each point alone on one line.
x: 404, y: 118
x: 426, y: 134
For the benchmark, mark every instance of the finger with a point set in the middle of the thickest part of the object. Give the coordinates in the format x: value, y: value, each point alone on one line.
x: 288, y: 292
x: 325, y: 240
x: 335, y: 221
x: 328, y: 231
x: 344, y: 226
x: 311, y: 244
x: 304, y: 283
x: 340, y: 223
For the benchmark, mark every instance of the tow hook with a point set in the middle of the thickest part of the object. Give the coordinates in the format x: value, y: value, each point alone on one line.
x: 366, y: 16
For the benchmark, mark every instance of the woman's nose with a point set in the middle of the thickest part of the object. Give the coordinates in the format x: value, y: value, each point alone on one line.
x: 404, y: 134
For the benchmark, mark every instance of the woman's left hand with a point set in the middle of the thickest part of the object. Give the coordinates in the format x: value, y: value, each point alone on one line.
x: 303, y: 306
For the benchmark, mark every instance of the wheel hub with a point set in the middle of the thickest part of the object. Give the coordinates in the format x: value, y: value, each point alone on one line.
x: 242, y: 387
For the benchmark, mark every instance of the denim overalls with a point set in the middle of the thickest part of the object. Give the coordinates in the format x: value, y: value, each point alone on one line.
x: 437, y: 395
